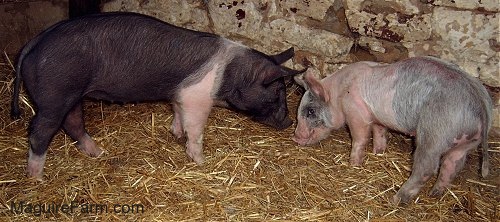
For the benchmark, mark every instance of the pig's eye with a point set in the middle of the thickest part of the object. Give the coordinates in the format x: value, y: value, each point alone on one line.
x: 311, y: 112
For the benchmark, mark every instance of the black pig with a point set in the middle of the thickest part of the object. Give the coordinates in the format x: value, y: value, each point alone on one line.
x: 128, y: 57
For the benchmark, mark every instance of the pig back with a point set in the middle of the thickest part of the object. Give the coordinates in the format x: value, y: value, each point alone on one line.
x: 429, y: 91
x: 122, y: 56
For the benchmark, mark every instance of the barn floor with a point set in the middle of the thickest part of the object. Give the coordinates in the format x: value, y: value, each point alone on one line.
x: 252, y: 173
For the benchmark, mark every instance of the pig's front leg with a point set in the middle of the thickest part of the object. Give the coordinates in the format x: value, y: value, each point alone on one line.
x: 194, y: 114
x: 193, y: 107
x: 176, y: 127
x: 358, y: 119
x: 379, y: 138
x: 360, y: 133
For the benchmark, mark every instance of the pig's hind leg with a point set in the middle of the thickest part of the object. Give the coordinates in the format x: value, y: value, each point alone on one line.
x: 452, y: 162
x: 43, y: 127
x: 74, y: 126
x: 425, y: 164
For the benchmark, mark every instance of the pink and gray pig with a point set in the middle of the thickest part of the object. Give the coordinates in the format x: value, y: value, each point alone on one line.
x: 447, y: 110
x: 128, y: 57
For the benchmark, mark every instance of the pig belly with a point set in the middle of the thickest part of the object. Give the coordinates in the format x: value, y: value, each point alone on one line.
x: 132, y: 92
x: 128, y: 97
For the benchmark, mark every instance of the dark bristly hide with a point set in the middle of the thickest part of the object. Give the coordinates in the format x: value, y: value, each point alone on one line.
x: 129, y: 57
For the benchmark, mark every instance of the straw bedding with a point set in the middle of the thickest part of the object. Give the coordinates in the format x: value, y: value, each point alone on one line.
x: 252, y: 173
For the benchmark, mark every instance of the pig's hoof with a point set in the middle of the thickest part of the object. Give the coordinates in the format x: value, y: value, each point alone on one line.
x: 396, y: 200
x: 400, y: 199
x: 198, y: 158
x: 436, y: 192
x: 35, y: 172
x: 88, y: 146
x: 177, y: 131
x: 378, y: 150
x: 356, y: 162
x: 178, y: 135
x: 35, y: 166
x: 96, y: 152
x: 92, y: 150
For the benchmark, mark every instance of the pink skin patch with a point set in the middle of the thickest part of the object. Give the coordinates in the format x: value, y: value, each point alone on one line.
x: 453, y: 161
x: 88, y: 146
x: 191, y: 111
x: 35, y: 165
x: 466, y: 139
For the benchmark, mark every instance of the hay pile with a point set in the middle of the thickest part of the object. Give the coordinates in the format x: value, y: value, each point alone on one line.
x: 252, y: 173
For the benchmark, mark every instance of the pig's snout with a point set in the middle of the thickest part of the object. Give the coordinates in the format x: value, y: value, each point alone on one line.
x: 302, y: 137
x: 303, y: 133
x: 300, y: 141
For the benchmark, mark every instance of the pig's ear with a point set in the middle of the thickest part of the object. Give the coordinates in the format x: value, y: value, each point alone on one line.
x: 279, y: 72
x: 299, y: 79
x: 292, y: 72
x: 283, y: 56
x: 314, y: 85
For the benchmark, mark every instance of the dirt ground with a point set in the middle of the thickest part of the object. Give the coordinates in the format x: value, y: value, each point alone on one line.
x: 252, y: 173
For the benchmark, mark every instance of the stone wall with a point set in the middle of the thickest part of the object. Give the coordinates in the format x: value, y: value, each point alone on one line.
x: 327, y: 33
x: 22, y: 20
x: 464, y: 32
